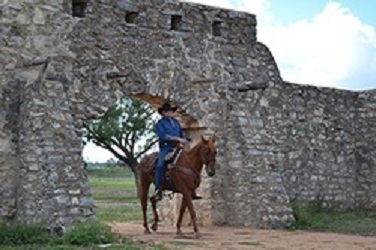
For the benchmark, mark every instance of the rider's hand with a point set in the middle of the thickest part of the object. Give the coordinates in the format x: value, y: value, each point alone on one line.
x: 182, y: 141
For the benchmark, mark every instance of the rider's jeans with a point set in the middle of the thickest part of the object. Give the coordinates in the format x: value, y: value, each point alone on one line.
x: 161, y: 166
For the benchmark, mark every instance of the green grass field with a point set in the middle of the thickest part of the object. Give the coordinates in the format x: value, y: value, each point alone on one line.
x: 114, y: 194
x: 113, y: 173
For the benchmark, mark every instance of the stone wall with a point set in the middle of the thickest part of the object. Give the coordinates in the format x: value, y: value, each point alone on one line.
x: 64, y: 62
x: 318, y: 152
x: 365, y: 153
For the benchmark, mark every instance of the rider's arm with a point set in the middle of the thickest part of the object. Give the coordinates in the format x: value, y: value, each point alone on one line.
x: 161, y: 132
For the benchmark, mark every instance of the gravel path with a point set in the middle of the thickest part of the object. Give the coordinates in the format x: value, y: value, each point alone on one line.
x: 244, y: 238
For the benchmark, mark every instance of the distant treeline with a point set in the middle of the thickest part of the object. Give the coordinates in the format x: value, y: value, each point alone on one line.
x: 108, y: 164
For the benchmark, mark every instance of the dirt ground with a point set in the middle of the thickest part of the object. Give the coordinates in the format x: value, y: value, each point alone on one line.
x: 244, y: 238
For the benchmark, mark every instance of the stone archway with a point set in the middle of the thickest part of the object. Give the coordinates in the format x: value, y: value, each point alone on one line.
x: 274, y: 137
x: 193, y: 130
x: 73, y: 68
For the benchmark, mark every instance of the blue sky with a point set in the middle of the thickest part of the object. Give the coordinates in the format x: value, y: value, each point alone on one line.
x: 286, y: 9
x: 329, y: 43
x: 318, y: 42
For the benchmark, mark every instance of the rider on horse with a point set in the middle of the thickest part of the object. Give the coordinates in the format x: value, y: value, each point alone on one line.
x: 170, y: 134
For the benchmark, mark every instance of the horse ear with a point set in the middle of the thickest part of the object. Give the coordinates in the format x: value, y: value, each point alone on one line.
x: 214, y: 137
x: 203, y: 139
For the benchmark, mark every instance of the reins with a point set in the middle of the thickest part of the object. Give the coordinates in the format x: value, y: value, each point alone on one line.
x: 191, y: 171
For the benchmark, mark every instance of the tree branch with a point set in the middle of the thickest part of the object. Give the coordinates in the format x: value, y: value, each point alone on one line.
x: 101, y: 143
x: 146, y: 149
x: 121, y: 128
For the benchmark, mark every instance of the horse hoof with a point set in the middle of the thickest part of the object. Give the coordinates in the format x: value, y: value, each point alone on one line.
x: 154, y: 227
x: 147, y: 232
x: 179, y: 232
x: 197, y: 235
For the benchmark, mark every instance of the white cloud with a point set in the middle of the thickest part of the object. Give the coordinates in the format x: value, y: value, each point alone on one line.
x: 334, y: 49
x: 330, y: 50
x: 93, y: 153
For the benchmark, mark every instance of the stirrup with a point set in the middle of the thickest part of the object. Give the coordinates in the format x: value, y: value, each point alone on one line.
x: 158, y: 196
x: 171, y: 195
x: 196, y: 197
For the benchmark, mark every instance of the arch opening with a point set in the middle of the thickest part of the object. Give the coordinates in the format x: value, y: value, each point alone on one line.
x: 112, y: 179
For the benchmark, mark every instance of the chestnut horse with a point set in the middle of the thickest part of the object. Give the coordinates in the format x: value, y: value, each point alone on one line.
x: 185, y: 176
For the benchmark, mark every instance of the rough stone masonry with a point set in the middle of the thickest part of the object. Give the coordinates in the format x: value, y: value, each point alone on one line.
x: 64, y: 62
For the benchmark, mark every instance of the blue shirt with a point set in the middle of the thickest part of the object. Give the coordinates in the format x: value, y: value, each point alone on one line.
x: 166, y: 128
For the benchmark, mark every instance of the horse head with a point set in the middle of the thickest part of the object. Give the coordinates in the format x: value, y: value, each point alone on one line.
x: 208, y: 153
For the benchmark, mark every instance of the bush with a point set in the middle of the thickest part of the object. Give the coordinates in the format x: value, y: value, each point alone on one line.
x: 82, y: 234
x: 89, y: 233
x: 312, y: 216
x: 303, y: 212
x: 23, y: 234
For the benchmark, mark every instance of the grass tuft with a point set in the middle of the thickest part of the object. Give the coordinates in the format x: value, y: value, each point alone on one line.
x: 29, y: 236
x: 22, y: 233
x: 311, y: 216
x: 89, y: 233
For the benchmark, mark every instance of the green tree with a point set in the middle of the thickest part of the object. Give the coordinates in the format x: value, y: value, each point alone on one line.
x: 127, y: 130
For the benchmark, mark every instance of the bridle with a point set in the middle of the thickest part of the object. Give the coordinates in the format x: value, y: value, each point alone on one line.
x: 192, y: 171
x: 206, y: 160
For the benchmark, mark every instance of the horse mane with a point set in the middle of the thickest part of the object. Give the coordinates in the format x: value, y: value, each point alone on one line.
x: 191, y: 159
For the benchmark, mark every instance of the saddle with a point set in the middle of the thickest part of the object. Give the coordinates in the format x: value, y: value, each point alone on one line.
x: 150, y: 165
x: 170, y: 161
x: 171, y: 157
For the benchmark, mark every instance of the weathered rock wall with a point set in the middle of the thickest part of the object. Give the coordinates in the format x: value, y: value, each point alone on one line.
x: 365, y: 152
x: 276, y: 140
x: 318, y: 151
x: 9, y: 162
x: 326, y: 144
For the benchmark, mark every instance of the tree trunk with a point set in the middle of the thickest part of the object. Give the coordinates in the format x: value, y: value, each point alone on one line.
x: 133, y: 167
x: 136, y: 181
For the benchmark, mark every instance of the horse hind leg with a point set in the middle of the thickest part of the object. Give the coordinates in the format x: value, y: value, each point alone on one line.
x: 143, y: 188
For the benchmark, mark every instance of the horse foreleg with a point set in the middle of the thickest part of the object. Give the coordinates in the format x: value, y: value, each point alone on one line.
x: 154, y: 226
x: 181, y: 213
x: 188, y: 200
x: 143, y: 189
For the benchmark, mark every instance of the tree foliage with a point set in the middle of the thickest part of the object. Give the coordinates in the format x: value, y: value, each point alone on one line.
x: 127, y: 130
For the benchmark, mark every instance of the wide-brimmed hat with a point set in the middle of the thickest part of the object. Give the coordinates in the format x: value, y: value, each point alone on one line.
x: 166, y: 107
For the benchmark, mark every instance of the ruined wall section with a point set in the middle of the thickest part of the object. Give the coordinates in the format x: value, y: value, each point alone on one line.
x: 365, y: 154
x: 10, y: 97
x: 255, y: 193
x: 276, y: 140
x: 9, y: 128
x: 34, y: 43
x: 317, y: 144
x: 187, y: 64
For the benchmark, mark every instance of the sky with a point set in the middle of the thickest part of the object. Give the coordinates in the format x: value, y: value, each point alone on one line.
x: 326, y: 43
